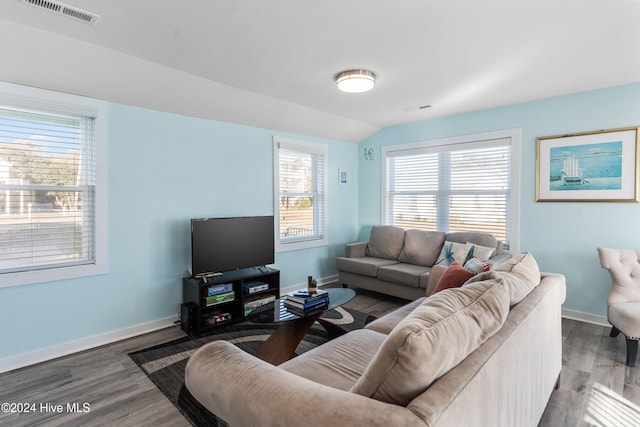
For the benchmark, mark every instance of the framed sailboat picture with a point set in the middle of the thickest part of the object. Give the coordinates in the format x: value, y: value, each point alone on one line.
x: 598, y: 166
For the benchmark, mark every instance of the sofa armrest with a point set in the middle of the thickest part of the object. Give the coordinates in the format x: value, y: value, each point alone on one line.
x: 244, y: 390
x: 355, y: 250
x: 434, y: 276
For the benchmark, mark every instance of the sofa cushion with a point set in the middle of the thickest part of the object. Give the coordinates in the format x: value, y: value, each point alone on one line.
x: 385, y: 241
x: 421, y: 247
x: 453, y: 252
x: 406, y: 274
x: 434, y: 338
x: 365, y: 266
x: 523, y: 266
x: 389, y: 321
x: 340, y: 362
x: 453, y: 277
x: 520, y: 275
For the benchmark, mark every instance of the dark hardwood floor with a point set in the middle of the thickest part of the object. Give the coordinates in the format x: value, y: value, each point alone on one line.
x: 118, y: 392
x: 596, y: 388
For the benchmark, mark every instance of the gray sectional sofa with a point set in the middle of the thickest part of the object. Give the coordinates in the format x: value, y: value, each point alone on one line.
x: 398, y: 262
x: 486, y: 354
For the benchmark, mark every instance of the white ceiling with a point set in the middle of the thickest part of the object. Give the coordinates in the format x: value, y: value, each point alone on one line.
x: 271, y: 63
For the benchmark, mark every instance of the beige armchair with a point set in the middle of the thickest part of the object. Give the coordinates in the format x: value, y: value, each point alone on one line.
x: 623, y: 307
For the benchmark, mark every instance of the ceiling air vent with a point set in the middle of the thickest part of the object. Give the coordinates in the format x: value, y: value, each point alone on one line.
x: 64, y: 9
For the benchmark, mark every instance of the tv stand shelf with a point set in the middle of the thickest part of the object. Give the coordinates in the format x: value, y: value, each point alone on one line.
x: 209, y: 305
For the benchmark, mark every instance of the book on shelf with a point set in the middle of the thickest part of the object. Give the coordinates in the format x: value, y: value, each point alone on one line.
x: 269, y: 306
x: 259, y: 303
x: 308, y: 312
x: 220, y: 298
x: 252, y: 288
x: 303, y: 296
x: 219, y: 289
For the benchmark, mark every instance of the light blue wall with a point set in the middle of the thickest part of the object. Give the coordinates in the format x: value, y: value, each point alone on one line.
x: 562, y: 236
x: 163, y: 170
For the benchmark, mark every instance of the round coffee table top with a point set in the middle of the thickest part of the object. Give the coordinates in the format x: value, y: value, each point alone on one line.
x: 279, y: 313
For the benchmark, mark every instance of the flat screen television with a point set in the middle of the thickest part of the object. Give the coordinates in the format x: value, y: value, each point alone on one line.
x: 224, y: 244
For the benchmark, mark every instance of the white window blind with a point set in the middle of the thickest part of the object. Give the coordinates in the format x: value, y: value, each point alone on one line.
x: 460, y: 187
x: 47, y: 190
x: 301, y: 190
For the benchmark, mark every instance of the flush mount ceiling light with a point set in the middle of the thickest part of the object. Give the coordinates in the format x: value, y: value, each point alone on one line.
x: 356, y: 81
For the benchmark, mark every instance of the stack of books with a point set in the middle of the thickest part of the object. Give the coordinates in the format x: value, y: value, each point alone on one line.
x: 217, y: 294
x: 303, y: 303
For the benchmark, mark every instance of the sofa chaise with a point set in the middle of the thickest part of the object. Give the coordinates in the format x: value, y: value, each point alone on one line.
x: 488, y: 353
x: 398, y: 262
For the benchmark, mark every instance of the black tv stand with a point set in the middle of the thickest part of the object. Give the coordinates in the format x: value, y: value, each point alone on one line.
x: 199, y: 313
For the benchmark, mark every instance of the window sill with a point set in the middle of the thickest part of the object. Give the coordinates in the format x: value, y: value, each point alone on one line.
x: 51, y: 275
x: 295, y: 246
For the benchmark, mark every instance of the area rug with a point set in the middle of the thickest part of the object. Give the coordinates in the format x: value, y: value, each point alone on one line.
x: 164, y: 364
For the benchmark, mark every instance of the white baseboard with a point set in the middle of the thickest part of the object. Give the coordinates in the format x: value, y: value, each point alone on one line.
x: 585, y: 317
x: 26, y: 359
x: 321, y: 282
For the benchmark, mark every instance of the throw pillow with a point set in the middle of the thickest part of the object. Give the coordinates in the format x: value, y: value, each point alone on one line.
x: 453, y: 277
x: 476, y: 266
x: 453, y: 252
x: 481, y: 252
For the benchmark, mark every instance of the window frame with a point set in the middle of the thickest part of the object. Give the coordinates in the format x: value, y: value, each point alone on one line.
x: 25, y: 97
x: 461, y: 143
x: 301, y: 242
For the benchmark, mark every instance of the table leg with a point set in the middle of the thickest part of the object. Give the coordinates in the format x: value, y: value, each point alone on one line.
x: 281, y: 345
x: 332, y: 329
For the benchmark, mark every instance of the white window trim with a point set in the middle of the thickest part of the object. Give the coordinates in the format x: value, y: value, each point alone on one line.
x: 513, y: 134
x: 13, y: 95
x: 307, y: 147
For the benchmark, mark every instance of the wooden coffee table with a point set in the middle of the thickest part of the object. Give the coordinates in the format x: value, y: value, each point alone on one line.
x: 281, y: 345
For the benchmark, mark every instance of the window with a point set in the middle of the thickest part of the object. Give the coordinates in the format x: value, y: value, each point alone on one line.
x: 51, y: 226
x: 300, y: 194
x: 457, y: 184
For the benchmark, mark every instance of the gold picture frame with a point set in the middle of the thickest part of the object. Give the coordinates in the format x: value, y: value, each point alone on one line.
x: 597, y: 166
